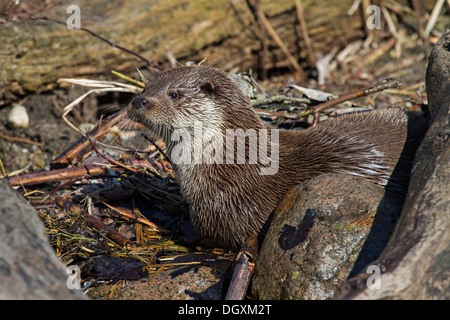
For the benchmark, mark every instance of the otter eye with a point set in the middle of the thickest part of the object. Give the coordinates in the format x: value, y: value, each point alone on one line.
x: 174, y: 95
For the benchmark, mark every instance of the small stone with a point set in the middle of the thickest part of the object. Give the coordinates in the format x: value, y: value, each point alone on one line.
x: 17, y: 117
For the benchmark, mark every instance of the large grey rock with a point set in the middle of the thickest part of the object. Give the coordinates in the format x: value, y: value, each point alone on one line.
x: 29, y: 267
x: 324, y: 230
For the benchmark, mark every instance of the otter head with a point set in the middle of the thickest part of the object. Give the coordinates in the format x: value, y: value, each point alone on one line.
x: 180, y: 98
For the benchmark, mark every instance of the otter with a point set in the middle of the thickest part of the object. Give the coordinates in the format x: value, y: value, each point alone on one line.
x: 232, y: 201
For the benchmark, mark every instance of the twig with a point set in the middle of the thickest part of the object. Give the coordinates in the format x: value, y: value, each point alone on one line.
x: 283, y: 114
x: 256, y: 84
x: 354, y: 7
x: 4, y: 136
x: 112, y: 161
x: 299, y: 71
x: 140, y: 220
x: 279, y: 99
x: 148, y: 62
x: 369, y: 32
x: 386, y: 84
x: 375, y: 54
x: 157, y: 148
x: 304, y: 28
x: 102, y: 228
x: 393, y: 30
x: 76, y: 150
x: 60, y: 187
x: 434, y: 16
x: 418, y: 11
x: 171, y: 57
x: 121, y: 75
x: 59, y: 174
x: 2, y: 169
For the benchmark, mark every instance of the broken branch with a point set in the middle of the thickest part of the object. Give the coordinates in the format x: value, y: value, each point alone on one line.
x: 59, y: 174
x: 386, y: 84
x: 244, y: 265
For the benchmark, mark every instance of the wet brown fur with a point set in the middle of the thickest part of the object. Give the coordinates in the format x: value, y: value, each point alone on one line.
x: 230, y: 202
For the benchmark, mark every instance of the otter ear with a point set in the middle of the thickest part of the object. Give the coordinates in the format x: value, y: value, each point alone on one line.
x: 207, y: 87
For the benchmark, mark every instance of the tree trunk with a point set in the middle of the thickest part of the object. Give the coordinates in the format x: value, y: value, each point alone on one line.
x: 415, y: 263
x: 35, y: 53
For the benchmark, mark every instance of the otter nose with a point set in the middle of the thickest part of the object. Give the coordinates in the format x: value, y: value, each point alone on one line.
x: 140, y: 103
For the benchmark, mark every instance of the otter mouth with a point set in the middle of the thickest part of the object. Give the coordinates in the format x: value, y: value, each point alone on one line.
x: 139, y: 117
x: 135, y: 116
x: 156, y: 127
